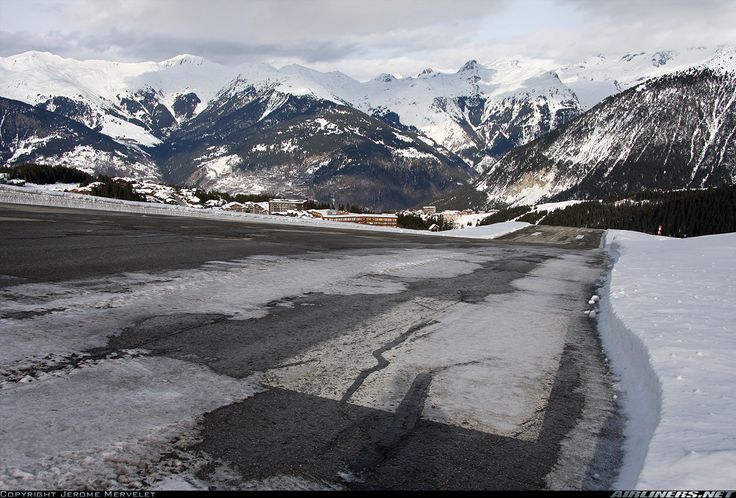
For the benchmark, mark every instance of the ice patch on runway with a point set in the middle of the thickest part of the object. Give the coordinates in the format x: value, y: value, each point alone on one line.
x: 493, y: 363
x: 561, y: 278
x: 105, y: 426
x: 62, y: 318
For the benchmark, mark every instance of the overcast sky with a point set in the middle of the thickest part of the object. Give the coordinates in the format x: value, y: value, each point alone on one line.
x: 361, y: 38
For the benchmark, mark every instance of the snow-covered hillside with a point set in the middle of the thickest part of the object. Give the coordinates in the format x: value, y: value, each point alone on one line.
x: 140, y: 102
x: 675, y: 131
x: 105, y: 90
x: 667, y: 323
x: 601, y: 76
x: 32, y: 134
x: 479, y: 109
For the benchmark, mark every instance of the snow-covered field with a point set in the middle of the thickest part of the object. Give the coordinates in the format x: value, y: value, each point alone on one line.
x: 668, y: 322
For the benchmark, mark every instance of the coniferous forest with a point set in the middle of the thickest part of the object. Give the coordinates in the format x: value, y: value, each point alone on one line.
x: 107, y: 187
x: 685, y: 213
x: 43, y: 174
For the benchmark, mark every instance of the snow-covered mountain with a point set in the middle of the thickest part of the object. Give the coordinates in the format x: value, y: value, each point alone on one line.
x: 130, y: 102
x: 261, y: 139
x: 33, y: 134
x: 599, y: 77
x: 191, y: 120
x: 478, y: 111
x: 674, y: 131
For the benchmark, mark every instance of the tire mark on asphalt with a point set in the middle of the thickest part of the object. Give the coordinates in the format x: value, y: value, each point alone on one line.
x: 382, y: 362
x: 405, y: 419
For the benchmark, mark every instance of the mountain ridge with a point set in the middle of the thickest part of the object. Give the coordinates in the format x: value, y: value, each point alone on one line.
x: 455, y: 125
x: 674, y: 131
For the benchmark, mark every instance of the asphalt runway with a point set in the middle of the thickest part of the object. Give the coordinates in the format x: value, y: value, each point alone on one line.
x: 402, y: 381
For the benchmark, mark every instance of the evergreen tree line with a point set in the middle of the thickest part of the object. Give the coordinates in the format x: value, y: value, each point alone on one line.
x: 115, y: 190
x: 318, y: 205
x: 416, y: 222
x: 532, y: 216
x: 351, y: 208
x: 43, y: 174
x: 505, y: 215
x: 686, y: 213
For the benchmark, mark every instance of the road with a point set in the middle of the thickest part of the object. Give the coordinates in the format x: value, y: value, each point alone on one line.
x: 222, y: 354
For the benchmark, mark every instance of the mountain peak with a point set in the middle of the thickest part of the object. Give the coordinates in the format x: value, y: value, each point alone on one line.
x: 471, y: 65
x: 185, y: 59
x: 35, y: 56
x: 385, y: 77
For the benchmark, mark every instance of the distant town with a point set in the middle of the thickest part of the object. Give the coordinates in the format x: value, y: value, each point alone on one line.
x: 424, y: 218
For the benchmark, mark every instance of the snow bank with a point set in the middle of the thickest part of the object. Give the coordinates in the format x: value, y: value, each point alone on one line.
x: 667, y: 322
x: 485, y: 231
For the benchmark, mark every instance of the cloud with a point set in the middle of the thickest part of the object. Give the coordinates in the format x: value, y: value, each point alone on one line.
x: 358, y: 37
x: 631, y: 25
x: 263, y: 21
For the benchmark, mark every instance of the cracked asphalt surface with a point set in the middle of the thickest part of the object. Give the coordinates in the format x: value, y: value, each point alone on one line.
x: 345, y: 404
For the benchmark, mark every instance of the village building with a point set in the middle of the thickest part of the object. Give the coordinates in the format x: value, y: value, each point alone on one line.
x: 259, y: 208
x: 450, y: 215
x: 247, y: 207
x: 234, y: 206
x: 282, y: 206
x: 389, y: 220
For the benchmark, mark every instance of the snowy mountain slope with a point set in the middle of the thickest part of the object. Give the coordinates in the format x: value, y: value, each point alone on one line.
x: 131, y: 102
x: 144, y: 102
x: 599, y: 77
x: 672, y: 132
x: 31, y: 134
x: 260, y: 139
x: 478, y: 111
x: 176, y: 111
